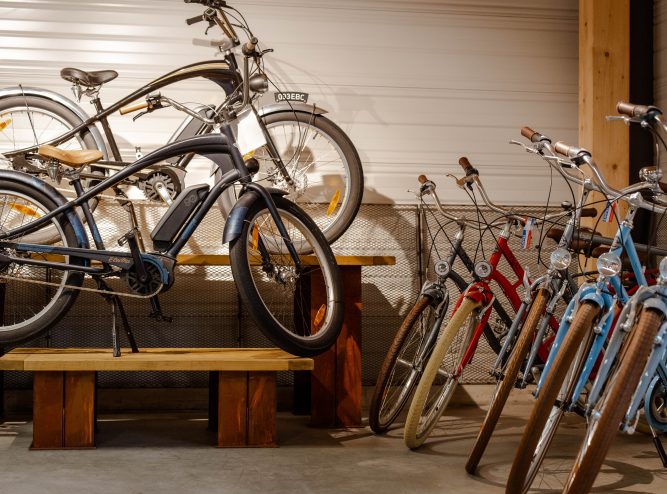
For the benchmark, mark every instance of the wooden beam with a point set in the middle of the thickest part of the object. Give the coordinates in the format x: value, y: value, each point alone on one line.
x: 604, y: 79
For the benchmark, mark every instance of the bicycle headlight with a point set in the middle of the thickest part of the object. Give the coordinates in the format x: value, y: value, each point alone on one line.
x: 561, y: 258
x: 609, y: 264
x: 663, y: 270
x: 483, y: 269
x: 442, y: 268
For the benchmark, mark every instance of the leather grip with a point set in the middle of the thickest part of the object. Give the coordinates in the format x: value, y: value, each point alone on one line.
x: 422, y: 179
x: 631, y: 110
x: 131, y: 108
x: 465, y: 164
x: 561, y: 148
x: 531, y: 135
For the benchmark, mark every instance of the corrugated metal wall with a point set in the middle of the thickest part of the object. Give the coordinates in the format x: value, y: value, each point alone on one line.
x: 416, y: 84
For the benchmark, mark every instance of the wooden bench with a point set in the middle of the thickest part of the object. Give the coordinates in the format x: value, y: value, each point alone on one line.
x: 331, y: 394
x: 242, y: 408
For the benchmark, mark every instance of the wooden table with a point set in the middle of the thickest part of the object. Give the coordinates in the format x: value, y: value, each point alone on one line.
x: 242, y: 408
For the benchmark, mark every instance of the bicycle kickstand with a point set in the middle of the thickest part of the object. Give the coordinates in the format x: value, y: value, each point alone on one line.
x: 659, y: 447
x: 117, y: 306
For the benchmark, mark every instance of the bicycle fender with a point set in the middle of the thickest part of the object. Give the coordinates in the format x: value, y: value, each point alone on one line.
x: 51, y: 193
x: 590, y: 293
x: 657, y: 303
x: 239, y: 212
x: 291, y: 106
x: 61, y: 100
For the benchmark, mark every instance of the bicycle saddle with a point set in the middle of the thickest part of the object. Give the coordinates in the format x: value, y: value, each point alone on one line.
x: 75, y: 159
x: 88, y: 79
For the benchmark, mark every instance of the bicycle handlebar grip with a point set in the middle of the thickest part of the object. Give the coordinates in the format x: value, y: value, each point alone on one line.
x: 530, y: 134
x: 249, y: 47
x: 422, y: 179
x: 561, y: 148
x: 588, y: 213
x: 131, y: 108
x: 465, y: 164
x: 194, y: 20
x: 631, y: 110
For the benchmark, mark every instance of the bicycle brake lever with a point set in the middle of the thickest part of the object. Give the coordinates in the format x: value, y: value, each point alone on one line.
x: 140, y: 114
x: 461, y: 182
x: 611, y: 118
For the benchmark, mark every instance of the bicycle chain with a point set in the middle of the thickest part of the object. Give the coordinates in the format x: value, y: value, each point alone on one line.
x: 83, y: 289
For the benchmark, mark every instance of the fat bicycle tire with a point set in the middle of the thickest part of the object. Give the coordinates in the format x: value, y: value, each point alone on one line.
x: 270, y: 292
x: 509, y: 378
x: 414, y: 435
x: 523, y: 467
x: 614, y: 403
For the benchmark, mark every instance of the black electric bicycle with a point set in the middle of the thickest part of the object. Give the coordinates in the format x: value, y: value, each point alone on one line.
x: 39, y: 280
x: 300, y: 150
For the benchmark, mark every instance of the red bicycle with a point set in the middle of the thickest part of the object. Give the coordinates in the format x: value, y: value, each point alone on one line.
x: 458, y: 342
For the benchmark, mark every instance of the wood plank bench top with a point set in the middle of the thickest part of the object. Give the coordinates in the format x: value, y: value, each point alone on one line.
x: 153, y: 359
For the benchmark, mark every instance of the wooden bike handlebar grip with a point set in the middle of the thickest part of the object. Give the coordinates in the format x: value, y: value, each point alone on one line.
x: 422, y: 179
x: 131, y: 108
x: 589, y: 212
x: 465, y: 164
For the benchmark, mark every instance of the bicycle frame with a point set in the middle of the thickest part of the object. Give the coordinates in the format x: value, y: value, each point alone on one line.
x: 600, y: 294
x: 212, y: 146
x: 482, y: 287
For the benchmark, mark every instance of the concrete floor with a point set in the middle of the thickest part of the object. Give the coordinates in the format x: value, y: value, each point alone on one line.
x: 173, y: 454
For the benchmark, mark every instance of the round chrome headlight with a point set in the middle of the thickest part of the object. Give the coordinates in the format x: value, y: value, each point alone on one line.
x: 561, y: 259
x: 609, y: 264
x: 663, y: 269
x: 483, y: 269
x: 442, y: 268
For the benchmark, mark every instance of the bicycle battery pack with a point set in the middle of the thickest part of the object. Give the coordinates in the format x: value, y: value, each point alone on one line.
x: 178, y: 213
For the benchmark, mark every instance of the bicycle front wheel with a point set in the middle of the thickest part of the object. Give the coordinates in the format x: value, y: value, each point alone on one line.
x: 272, y: 285
x: 438, y: 382
x: 547, y: 412
x: 509, y: 378
x: 323, y: 164
x: 614, y: 403
x: 403, y: 364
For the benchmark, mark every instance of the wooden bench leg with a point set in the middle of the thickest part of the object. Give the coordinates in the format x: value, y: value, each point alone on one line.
x: 336, y: 378
x: 63, y: 410
x: 246, y: 409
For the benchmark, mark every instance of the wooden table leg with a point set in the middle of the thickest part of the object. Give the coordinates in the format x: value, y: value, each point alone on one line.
x: 63, y: 410
x: 336, y: 379
x: 247, y: 409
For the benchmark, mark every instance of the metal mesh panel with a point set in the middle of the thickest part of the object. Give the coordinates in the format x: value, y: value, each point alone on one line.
x: 206, y: 310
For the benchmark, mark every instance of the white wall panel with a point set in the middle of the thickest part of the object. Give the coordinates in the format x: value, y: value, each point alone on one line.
x: 415, y: 84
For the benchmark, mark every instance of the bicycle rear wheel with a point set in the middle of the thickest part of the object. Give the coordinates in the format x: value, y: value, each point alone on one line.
x: 269, y: 281
x: 321, y: 160
x: 33, y: 298
x: 438, y: 382
x: 547, y: 412
x: 400, y: 369
x: 614, y: 403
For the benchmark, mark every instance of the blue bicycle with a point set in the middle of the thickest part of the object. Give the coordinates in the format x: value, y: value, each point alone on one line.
x: 585, y: 326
